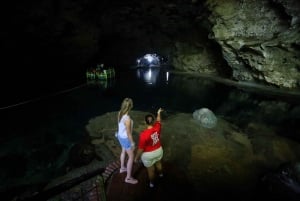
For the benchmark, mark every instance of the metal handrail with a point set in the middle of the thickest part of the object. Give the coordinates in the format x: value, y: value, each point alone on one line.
x: 56, y: 190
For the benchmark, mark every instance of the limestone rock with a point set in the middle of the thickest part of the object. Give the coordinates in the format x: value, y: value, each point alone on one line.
x: 205, y: 117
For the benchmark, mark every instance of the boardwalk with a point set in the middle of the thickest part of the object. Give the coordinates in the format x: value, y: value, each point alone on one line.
x: 173, y: 186
x: 109, y: 185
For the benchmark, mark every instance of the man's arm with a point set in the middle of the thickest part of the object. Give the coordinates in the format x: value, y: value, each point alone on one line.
x: 158, y: 117
x: 138, y: 155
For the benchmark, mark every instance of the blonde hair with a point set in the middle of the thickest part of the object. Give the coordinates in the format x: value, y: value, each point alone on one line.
x: 126, y: 106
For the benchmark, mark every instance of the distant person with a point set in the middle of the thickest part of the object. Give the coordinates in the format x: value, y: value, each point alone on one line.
x: 150, y: 150
x: 125, y: 128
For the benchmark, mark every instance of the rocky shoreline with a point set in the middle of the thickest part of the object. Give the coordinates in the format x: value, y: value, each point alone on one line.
x: 210, y: 157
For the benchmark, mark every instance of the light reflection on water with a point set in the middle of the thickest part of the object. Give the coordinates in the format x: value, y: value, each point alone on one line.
x: 155, y: 87
x: 152, y: 88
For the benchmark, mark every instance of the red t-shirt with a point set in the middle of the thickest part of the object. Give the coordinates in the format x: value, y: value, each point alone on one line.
x: 150, y: 138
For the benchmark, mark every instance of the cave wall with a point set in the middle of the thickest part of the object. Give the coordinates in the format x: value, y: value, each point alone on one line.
x: 259, y: 39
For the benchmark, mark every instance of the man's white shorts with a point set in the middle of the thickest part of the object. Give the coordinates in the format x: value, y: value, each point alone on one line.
x: 149, y: 158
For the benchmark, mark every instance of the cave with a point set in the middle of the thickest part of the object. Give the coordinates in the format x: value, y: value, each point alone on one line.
x: 250, y: 46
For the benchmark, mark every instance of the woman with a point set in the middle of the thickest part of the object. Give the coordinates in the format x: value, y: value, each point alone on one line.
x: 149, y: 148
x: 125, y: 125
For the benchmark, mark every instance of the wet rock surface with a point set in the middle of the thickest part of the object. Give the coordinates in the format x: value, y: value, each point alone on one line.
x: 223, y: 158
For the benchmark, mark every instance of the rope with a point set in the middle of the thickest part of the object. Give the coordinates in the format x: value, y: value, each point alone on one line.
x: 42, y: 97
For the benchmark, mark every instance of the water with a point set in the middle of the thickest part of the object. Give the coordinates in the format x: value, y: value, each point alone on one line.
x: 43, y: 129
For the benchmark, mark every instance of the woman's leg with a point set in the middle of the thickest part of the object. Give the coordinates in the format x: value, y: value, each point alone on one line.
x: 122, y: 159
x: 130, y: 162
x: 129, y: 178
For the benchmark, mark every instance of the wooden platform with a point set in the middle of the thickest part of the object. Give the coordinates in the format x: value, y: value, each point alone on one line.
x: 110, y: 185
x: 173, y: 186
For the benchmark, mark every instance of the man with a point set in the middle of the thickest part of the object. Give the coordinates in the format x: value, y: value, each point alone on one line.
x: 149, y: 148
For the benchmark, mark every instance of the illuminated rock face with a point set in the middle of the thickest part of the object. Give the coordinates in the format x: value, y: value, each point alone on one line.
x: 205, y: 117
x: 259, y: 46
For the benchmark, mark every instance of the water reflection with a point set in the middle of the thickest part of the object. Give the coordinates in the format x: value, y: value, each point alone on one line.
x: 153, y: 75
x: 174, y: 92
x: 102, y: 84
x: 184, y: 93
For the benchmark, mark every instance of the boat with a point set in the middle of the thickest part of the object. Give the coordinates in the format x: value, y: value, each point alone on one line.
x: 100, y: 73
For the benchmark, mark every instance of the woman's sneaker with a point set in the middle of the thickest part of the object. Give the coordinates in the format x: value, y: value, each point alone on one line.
x: 131, y: 181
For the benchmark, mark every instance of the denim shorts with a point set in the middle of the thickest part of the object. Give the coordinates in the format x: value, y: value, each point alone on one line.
x: 125, y: 143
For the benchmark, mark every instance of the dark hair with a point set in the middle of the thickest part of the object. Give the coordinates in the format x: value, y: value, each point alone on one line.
x: 149, y: 119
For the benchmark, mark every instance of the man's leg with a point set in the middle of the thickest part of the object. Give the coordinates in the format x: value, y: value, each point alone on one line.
x: 158, y: 167
x: 151, y: 175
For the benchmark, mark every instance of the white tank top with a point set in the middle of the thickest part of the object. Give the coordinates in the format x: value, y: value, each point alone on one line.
x: 122, y: 128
